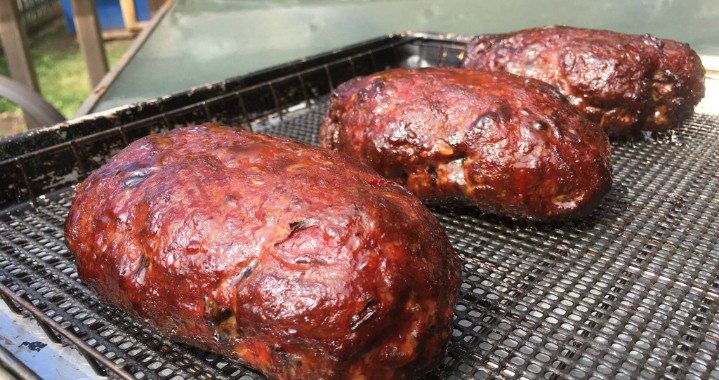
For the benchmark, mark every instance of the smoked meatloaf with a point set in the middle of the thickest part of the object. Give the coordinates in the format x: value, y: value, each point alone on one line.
x: 506, y: 144
x: 290, y: 258
x: 624, y: 82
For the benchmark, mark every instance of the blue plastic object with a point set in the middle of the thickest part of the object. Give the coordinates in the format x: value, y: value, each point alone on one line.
x: 109, y: 14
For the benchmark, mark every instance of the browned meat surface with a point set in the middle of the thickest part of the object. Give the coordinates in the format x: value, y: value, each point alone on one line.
x: 626, y: 83
x: 509, y: 145
x: 290, y: 258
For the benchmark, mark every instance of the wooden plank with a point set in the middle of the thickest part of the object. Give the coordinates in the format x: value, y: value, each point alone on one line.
x: 89, y: 103
x: 122, y: 34
x: 88, y: 35
x: 129, y: 16
x: 14, y: 42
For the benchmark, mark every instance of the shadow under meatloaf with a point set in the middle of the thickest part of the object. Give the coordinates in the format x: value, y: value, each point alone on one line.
x: 625, y: 83
x: 290, y: 258
x: 509, y: 145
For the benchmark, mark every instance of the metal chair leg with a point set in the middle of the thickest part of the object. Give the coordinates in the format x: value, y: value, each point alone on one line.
x: 30, y: 102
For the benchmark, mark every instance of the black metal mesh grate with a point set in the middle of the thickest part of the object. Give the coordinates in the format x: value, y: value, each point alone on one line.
x: 35, y: 262
x: 632, y: 291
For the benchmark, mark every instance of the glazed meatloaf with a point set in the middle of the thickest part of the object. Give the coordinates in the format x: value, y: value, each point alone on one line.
x: 289, y: 258
x: 506, y: 144
x: 626, y: 83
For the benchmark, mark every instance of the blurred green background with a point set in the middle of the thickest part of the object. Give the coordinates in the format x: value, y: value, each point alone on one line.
x: 60, y: 68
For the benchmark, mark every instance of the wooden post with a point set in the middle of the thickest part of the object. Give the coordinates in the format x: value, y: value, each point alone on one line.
x: 129, y: 16
x: 155, y: 5
x: 88, y: 35
x: 14, y: 42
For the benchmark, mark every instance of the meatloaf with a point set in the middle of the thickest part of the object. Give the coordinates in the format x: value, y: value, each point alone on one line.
x: 624, y: 82
x: 289, y: 258
x: 509, y: 145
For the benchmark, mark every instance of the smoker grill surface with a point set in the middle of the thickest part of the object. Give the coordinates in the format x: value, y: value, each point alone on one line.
x: 631, y: 291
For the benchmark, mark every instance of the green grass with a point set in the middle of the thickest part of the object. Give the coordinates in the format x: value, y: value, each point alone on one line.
x: 60, y: 68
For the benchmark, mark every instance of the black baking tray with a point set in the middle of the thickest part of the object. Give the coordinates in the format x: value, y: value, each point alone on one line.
x: 630, y: 291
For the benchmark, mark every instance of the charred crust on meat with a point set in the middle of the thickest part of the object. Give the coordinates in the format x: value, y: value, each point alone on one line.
x: 432, y: 170
x: 367, y: 312
x: 216, y: 314
x: 142, y: 266
x: 301, y: 225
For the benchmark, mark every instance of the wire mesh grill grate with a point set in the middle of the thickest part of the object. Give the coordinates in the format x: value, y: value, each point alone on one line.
x: 632, y: 291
